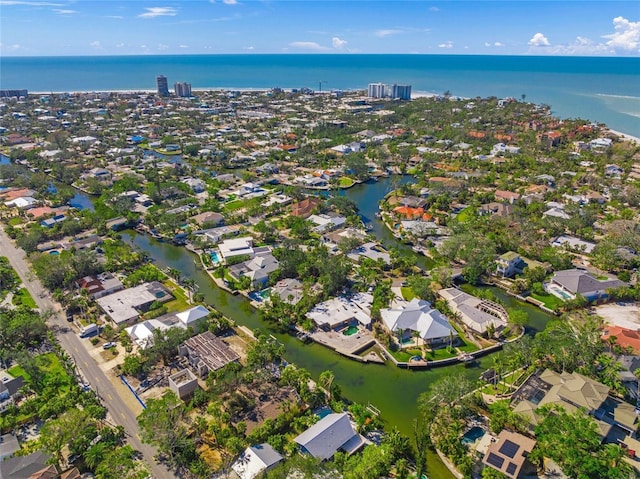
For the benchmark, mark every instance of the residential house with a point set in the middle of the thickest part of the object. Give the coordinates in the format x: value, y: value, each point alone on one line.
x: 369, y: 250
x: 208, y: 218
x: 478, y: 315
x: 22, y: 203
x: 125, y: 306
x: 257, y: 269
x: 623, y: 337
x: 304, y: 208
x: 51, y: 222
x: 327, y: 222
x: 497, y: 209
x: 143, y: 333
x: 573, y: 244
x: 256, y: 460
x: 100, y: 285
x: 339, y: 312
x: 578, y: 281
x: 10, y: 392
x: 9, y: 445
x: 417, y: 316
x: 509, y: 454
x: 508, y: 264
x: 574, y: 392
x: 289, y: 290
x: 332, y: 433
x: 196, y: 185
x: 236, y: 247
x: 508, y: 196
x: 207, y: 352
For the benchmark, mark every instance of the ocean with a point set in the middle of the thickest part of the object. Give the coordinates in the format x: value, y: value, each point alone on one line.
x: 600, y: 89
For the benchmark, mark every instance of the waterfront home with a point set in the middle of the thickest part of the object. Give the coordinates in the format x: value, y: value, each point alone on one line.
x: 256, y: 460
x: 289, y: 290
x: 571, y: 282
x: 304, y: 208
x: 418, y: 317
x: 236, y: 247
x: 497, y: 209
x: 125, y: 306
x: 257, y: 269
x: 332, y: 433
x: 478, y: 315
x: 511, y: 263
x: 343, y: 311
x: 22, y: 202
x: 509, y: 454
x: 206, y: 352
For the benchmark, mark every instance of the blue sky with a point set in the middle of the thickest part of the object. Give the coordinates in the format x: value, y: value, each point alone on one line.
x: 132, y: 27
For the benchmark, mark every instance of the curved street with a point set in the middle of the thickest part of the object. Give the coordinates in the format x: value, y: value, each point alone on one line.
x: 117, y: 409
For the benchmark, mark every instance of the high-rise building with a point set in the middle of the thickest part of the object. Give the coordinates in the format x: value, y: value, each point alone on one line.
x: 377, y: 90
x: 182, y: 89
x: 402, y: 92
x: 163, y: 85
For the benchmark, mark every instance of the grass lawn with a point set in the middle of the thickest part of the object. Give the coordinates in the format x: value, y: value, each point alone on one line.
x: 51, y: 366
x: 549, y: 300
x: 15, y: 221
x: 234, y: 205
x: 441, y: 353
x: 181, y: 302
x: 405, y: 354
x: 407, y: 293
x: 465, y: 215
x: 346, y: 182
x: 23, y: 297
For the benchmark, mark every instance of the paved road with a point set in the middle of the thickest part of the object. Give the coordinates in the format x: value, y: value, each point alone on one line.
x: 70, y: 342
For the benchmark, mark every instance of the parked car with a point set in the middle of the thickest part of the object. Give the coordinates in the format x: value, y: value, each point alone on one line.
x: 109, y: 345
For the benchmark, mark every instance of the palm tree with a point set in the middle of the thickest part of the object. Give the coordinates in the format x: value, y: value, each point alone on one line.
x: 636, y: 373
x: 326, y: 380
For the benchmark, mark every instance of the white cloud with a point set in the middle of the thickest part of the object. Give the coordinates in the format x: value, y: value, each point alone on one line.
x: 162, y: 46
x: 119, y: 45
x: 539, y: 40
x: 8, y: 3
x: 96, y: 44
x: 487, y: 44
x: 61, y: 11
x: 311, y: 46
x: 117, y: 17
x: 230, y: 2
x: 338, y: 43
x: 434, y: 9
x: 10, y: 48
x: 152, y: 12
x: 626, y: 36
x: 250, y: 48
x: 183, y: 46
x: 498, y: 44
x: 448, y: 44
x: 387, y: 32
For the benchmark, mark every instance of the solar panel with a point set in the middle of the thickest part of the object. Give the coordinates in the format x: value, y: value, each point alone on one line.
x: 509, y: 449
x: 511, y: 468
x: 495, y: 461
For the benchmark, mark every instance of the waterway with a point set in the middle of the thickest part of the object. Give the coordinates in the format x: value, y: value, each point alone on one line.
x: 393, y: 390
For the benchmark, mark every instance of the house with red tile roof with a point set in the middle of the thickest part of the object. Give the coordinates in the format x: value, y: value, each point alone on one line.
x: 623, y: 337
x: 508, y: 196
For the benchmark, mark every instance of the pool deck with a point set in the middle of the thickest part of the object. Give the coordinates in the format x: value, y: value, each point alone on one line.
x: 348, y: 345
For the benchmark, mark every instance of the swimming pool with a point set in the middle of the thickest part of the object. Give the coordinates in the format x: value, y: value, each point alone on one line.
x: 472, y: 435
x: 351, y: 330
x: 215, y: 259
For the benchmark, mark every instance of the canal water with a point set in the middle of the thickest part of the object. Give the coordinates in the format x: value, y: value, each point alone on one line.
x: 392, y: 390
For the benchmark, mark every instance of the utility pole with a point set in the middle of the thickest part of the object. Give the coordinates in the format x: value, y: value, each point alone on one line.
x: 320, y: 85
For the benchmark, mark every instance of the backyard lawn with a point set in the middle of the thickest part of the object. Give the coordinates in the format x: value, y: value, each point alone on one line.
x: 346, y: 182
x: 181, y: 302
x: 549, y: 300
x: 53, y: 371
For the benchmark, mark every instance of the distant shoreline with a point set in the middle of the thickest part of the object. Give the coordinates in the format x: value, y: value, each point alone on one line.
x: 414, y: 95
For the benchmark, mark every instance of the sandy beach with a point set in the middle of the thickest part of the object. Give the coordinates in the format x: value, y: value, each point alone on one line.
x: 624, y: 136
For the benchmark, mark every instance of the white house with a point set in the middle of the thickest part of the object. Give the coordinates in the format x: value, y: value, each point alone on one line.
x: 479, y: 315
x: 332, y: 433
x: 256, y: 460
x: 418, y: 316
x: 236, y: 247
